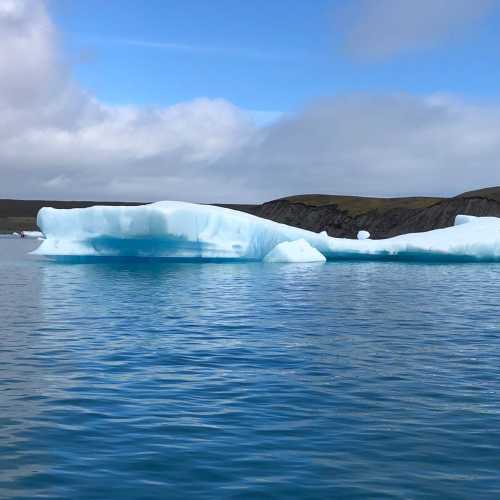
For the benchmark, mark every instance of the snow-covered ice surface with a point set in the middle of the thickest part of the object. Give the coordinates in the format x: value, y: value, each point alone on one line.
x: 294, y: 251
x: 181, y: 230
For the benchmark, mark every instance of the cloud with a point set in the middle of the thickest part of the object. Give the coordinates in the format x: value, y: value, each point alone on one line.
x: 376, y: 145
x: 58, y: 141
x: 378, y: 29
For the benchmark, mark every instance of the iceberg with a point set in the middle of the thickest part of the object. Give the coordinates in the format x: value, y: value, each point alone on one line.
x: 179, y: 230
x: 294, y: 251
x: 363, y: 235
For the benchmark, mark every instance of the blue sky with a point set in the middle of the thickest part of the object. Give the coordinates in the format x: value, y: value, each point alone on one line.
x: 259, y: 55
x: 233, y: 101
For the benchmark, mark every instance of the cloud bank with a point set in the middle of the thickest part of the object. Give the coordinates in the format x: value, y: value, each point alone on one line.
x: 57, y: 141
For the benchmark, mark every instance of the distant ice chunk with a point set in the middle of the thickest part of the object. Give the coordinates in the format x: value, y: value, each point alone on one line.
x: 363, y: 235
x: 470, y: 239
x: 178, y: 230
x: 294, y: 251
x: 32, y: 234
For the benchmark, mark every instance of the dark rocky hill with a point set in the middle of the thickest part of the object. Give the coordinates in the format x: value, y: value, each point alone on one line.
x: 340, y: 216
x: 344, y: 216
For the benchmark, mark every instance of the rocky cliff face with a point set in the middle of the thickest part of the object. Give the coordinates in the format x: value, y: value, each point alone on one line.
x: 443, y: 214
x: 345, y: 216
x: 334, y: 220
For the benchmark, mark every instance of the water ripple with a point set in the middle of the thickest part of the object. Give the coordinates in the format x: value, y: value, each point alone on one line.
x: 154, y: 380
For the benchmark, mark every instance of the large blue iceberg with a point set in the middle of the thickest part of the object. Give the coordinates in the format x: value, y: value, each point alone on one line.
x: 178, y: 230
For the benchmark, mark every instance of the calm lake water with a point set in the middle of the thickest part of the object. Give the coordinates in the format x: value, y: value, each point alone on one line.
x: 347, y: 380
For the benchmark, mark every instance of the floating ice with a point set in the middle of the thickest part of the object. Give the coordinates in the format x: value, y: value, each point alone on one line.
x: 166, y: 229
x: 31, y: 234
x: 188, y: 231
x: 294, y: 251
x: 363, y: 235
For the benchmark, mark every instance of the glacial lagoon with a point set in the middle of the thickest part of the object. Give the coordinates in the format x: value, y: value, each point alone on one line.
x: 150, y: 379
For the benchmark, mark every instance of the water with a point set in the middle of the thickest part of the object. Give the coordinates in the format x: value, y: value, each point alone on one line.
x: 156, y: 380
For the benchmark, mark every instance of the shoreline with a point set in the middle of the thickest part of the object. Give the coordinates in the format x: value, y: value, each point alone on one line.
x: 340, y: 216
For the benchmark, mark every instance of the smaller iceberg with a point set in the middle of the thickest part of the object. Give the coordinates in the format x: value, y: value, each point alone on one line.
x: 294, y: 251
x: 32, y: 234
x: 363, y: 235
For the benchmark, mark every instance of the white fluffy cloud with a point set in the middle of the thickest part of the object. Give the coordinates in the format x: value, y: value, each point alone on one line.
x: 57, y: 141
